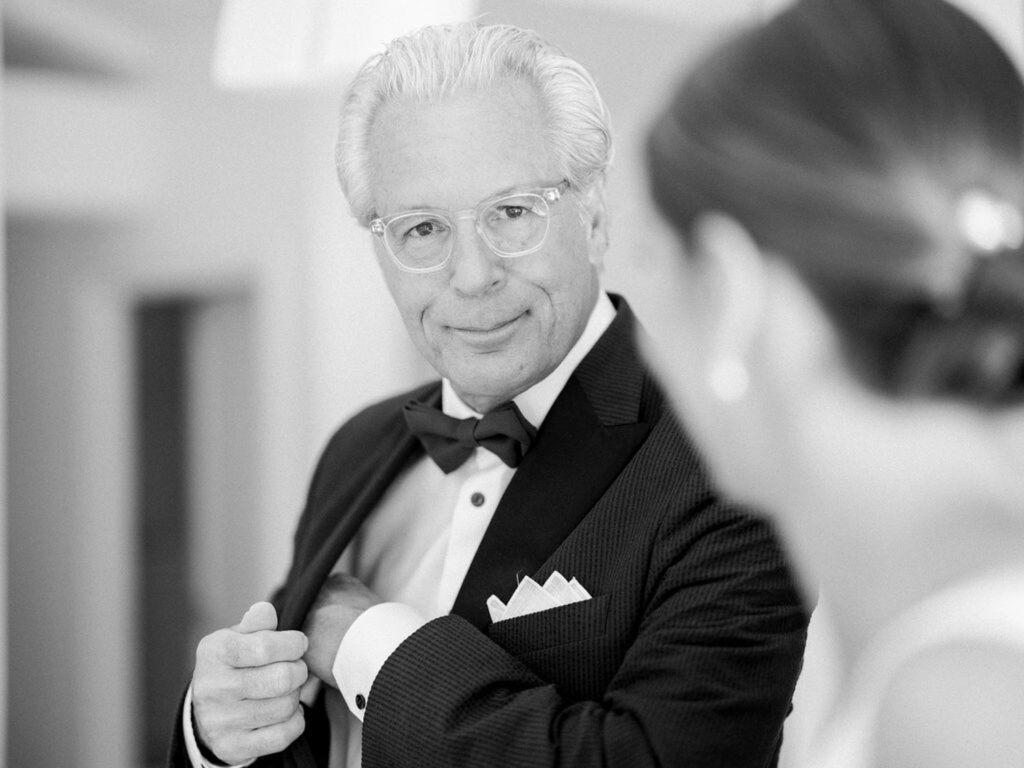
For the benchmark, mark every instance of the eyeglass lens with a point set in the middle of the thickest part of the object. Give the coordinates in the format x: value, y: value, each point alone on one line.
x: 511, y: 226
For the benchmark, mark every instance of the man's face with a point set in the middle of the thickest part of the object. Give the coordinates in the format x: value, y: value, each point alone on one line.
x: 493, y: 326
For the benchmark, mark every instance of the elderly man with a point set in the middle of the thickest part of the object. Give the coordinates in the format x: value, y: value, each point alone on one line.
x: 522, y: 564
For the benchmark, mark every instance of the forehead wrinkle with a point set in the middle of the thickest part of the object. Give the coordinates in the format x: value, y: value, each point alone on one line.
x: 402, y: 174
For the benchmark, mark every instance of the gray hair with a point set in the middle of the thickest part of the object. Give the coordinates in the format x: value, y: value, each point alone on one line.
x: 440, y: 60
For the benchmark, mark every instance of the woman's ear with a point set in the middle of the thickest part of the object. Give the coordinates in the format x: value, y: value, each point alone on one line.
x: 735, y: 272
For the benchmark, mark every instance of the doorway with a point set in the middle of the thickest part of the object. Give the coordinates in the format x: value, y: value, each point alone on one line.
x: 133, y: 431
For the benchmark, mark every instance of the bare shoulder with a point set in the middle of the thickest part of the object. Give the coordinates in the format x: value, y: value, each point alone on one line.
x: 955, y: 706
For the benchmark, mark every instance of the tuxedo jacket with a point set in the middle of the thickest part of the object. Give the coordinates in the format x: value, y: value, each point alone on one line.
x: 686, y: 655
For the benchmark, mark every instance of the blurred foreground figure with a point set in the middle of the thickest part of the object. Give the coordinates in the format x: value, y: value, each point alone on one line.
x: 522, y: 563
x: 845, y: 338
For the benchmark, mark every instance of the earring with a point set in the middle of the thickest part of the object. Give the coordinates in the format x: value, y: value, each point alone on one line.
x: 728, y: 379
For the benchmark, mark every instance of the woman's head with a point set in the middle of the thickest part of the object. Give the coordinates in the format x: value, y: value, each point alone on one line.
x: 865, y: 142
x: 849, y: 180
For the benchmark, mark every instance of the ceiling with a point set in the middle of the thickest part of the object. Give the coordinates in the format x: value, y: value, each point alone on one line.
x: 125, y: 38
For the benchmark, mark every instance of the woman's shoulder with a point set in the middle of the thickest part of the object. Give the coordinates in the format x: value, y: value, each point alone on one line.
x: 955, y: 704
x: 941, y: 685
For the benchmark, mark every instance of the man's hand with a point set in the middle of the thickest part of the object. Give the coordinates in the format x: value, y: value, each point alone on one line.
x: 245, y: 688
x: 341, y: 601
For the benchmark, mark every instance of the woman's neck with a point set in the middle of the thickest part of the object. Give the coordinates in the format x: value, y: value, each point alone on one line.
x: 953, y: 510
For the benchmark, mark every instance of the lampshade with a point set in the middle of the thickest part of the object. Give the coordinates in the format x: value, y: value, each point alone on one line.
x: 294, y: 43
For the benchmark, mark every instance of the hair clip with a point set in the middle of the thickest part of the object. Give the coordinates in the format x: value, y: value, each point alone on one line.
x: 988, y: 224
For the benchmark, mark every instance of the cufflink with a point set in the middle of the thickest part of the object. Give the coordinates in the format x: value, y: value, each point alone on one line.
x: 360, y: 701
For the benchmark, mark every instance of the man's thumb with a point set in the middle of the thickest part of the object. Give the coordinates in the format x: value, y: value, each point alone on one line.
x: 259, y: 616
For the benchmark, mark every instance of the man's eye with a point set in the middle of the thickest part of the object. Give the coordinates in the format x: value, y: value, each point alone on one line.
x: 424, y: 229
x: 513, y: 211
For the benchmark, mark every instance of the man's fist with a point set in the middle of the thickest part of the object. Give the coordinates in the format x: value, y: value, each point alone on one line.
x: 245, y: 688
x: 342, y: 600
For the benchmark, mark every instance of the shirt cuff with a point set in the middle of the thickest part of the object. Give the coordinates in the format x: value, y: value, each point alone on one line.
x: 366, y: 646
x: 192, y: 746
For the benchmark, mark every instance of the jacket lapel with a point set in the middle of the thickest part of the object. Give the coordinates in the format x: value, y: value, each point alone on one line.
x: 343, y: 514
x: 591, y: 432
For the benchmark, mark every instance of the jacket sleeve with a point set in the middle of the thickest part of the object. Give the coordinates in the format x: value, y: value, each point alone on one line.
x: 706, y: 680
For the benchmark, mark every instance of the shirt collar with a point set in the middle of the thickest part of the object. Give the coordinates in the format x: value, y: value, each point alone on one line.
x: 536, y: 401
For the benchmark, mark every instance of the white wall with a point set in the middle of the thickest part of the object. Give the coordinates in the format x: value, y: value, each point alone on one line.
x: 3, y: 446
x: 1004, y: 19
x: 122, y: 190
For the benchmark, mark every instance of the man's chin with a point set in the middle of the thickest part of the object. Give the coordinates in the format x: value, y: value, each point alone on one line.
x: 493, y: 390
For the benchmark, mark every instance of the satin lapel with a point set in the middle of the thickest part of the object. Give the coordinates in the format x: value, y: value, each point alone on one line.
x: 578, y: 453
x: 349, y: 516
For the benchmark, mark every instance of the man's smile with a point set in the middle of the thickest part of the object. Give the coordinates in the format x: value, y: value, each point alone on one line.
x: 489, y: 332
x: 485, y: 326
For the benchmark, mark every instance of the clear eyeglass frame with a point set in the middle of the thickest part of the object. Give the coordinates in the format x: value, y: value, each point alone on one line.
x: 546, y: 195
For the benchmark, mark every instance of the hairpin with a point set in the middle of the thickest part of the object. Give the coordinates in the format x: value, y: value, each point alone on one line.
x: 988, y: 224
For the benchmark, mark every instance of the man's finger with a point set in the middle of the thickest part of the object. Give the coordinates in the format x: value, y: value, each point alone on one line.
x: 273, y: 680
x: 260, y: 615
x: 242, y: 746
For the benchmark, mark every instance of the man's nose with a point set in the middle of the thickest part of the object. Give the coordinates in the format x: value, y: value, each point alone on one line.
x: 475, y: 268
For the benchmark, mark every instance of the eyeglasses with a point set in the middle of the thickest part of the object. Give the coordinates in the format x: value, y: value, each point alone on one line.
x: 512, y: 225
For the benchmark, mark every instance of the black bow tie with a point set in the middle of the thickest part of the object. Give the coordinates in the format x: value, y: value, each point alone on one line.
x: 450, y: 441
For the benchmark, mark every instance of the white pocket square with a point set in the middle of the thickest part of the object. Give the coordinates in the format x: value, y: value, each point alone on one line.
x: 530, y: 597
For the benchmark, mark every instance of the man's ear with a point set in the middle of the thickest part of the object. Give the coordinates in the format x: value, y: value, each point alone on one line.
x: 595, y: 219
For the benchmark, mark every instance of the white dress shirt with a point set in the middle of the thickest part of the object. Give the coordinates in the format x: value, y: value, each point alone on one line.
x: 416, y: 547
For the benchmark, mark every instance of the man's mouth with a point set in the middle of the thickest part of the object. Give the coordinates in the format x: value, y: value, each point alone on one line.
x: 486, y: 327
x: 489, y: 330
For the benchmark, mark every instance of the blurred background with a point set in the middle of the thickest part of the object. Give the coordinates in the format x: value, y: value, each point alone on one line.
x: 189, y: 312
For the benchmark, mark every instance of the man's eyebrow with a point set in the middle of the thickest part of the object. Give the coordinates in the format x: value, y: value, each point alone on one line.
x: 519, y: 188
x: 498, y: 193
